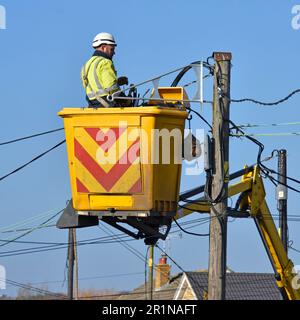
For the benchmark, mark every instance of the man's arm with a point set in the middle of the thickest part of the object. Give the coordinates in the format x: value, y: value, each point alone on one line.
x: 108, y: 76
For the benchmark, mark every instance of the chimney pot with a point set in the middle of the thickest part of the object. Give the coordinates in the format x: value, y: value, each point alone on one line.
x: 163, y: 260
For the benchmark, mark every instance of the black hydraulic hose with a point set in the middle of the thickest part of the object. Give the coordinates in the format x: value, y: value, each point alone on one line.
x: 186, y: 69
x: 182, y: 73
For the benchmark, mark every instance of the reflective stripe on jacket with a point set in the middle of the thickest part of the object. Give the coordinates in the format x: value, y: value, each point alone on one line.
x: 99, y: 77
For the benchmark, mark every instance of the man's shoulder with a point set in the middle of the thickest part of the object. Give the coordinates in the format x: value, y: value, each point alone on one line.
x: 100, y: 61
x: 105, y: 62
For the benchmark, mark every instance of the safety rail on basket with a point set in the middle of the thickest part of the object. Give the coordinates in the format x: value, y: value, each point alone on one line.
x: 155, y: 93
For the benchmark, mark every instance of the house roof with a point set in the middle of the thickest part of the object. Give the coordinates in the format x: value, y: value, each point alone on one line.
x: 239, y: 286
x: 166, y: 292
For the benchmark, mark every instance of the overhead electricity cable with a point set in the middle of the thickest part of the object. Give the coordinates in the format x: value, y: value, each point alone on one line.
x: 249, y: 125
x: 31, y: 136
x: 121, y: 242
x: 199, y: 115
x: 34, y: 289
x: 282, y: 175
x: 292, y: 248
x: 89, y: 241
x: 178, y: 266
x: 26, y: 229
x: 266, y: 103
x: 264, y: 169
x: 261, y: 148
x: 268, y: 171
x: 105, y: 239
x: 139, y: 254
x: 275, y: 134
x: 196, y: 81
x: 31, y: 230
x: 164, y: 252
x: 145, y: 259
x: 51, y: 248
x: 191, y: 233
x: 31, y: 161
x: 27, y: 221
x: 92, y: 278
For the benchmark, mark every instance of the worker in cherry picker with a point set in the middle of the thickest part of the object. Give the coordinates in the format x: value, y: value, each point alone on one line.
x: 99, y: 76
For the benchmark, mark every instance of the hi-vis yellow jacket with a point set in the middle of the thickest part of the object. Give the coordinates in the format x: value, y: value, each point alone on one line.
x: 99, y: 77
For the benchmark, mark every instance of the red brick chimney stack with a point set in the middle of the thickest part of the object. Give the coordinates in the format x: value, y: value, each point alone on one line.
x: 162, y: 275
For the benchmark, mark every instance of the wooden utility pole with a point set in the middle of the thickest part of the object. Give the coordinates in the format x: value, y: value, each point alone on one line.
x: 70, y: 264
x: 76, y: 265
x: 220, y: 177
x: 282, y: 198
x: 150, y: 277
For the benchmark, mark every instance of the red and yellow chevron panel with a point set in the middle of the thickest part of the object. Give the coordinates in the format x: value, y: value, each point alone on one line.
x: 107, y: 160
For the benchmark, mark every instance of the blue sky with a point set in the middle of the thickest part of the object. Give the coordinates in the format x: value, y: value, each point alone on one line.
x: 42, y: 50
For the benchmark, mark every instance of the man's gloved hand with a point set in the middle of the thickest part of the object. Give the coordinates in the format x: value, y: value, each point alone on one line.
x: 122, y: 81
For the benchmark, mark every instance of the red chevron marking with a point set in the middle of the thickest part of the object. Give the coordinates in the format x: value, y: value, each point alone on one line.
x: 137, y: 187
x: 81, y: 187
x: 107, y: 180
x: 105, y: 140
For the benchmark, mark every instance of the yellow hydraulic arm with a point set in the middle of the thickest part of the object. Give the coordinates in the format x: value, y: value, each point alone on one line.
x: 252, y: 200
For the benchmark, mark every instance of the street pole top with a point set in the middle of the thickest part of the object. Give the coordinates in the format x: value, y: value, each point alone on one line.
x: 222, y: 56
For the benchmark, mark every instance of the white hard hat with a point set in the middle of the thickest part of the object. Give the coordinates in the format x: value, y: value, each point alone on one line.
x: 103, y: 38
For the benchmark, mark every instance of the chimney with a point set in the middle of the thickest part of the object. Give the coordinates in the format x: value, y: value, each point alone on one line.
x: 162, y: 274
